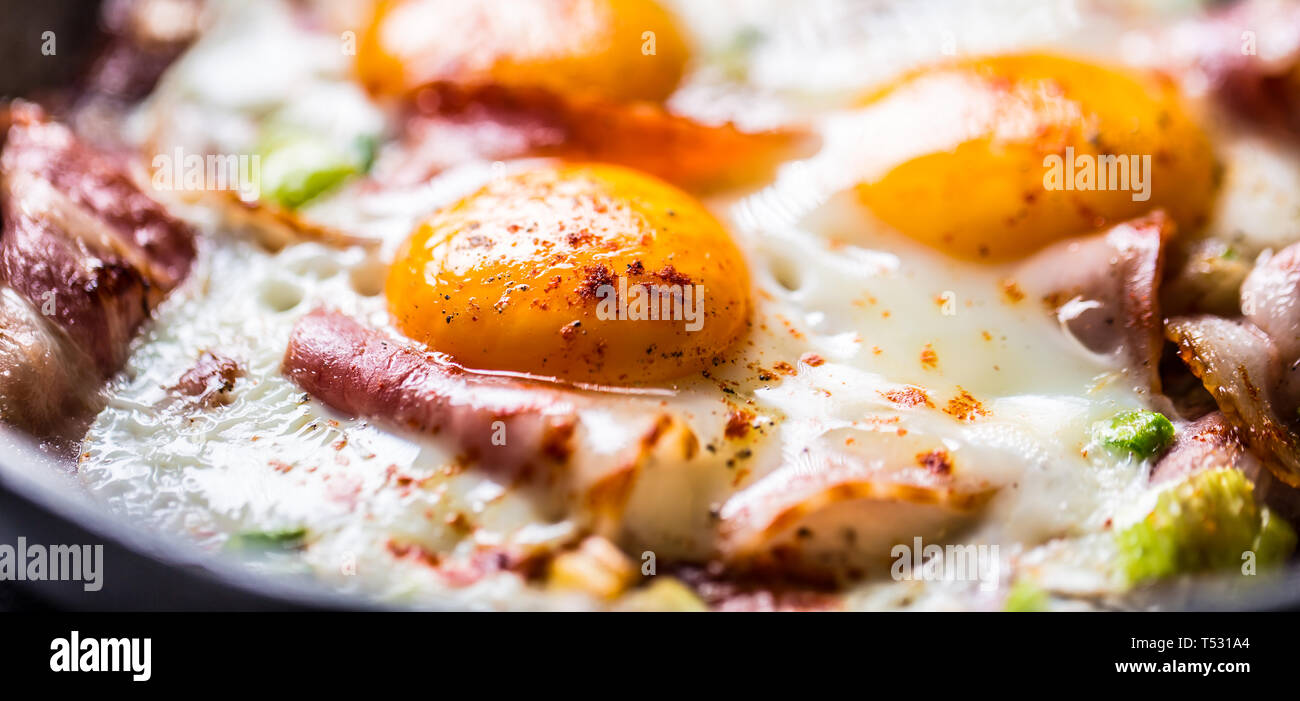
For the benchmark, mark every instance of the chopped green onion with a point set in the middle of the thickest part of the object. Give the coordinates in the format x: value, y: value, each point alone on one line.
x: 1142, y: 433
x: 264, y: 541
x: 298, y: 168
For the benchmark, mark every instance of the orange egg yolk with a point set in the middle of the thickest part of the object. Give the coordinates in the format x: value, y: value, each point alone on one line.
x: 994, y: 158
x: 616, y: 49
x: 589, y: 273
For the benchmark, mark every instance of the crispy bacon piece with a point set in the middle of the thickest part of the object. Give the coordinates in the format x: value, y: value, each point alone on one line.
x: 452, y: 123
x: 1241, y: 368
x: 81, y: 242
x: 49, y: 152
x: 1251, y: 366
x: 84, y: 257
x: 44, y: 379
x: 98, y: 302
x: 364, y: 372
x: 210, y: 381
x: 826, y: 516
x: 1103, y: 288
x: 1270, y: 299
x: 1207, y: 443
x: 275, y: 227
x: 1212, y: 442
x: 1250, y: 53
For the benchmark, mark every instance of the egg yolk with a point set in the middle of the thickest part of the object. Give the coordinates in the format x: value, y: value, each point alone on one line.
x: 589, y: 273
x: 617, y: 49
x: 994, y: 158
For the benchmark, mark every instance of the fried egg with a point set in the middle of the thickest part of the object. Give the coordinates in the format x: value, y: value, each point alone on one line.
x: 852, y: 315
x: 622, y: 49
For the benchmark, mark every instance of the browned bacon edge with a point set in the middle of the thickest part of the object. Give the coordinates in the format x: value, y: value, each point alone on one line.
x: 93, y: 182
x: 88, y: 253
x: 363, y: 372
x: 451, y: 122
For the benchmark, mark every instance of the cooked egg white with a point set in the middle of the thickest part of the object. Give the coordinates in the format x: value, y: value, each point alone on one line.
x: 844, y: 310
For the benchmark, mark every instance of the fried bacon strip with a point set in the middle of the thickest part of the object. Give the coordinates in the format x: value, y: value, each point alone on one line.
x: 1250, y: 366
x: 81, y: 242
x: 1103, y: 288
x: 44, y: 379
x: 1249, y: 53
x: 362, y: 371
x: 1212, y: 442
x: 84, y: 258
x: 825, y: 515
x: 451, y: 123
x: 1207, y: 443
x: 46, y: 151
x: 1270, y: 299
x: 1242, y: 370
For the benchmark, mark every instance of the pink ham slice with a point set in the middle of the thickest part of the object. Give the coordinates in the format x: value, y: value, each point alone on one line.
x: 1103, y: 288
x: 363, y: 372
